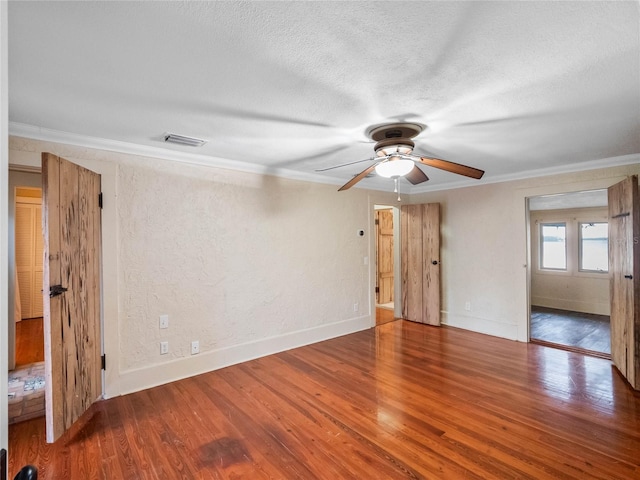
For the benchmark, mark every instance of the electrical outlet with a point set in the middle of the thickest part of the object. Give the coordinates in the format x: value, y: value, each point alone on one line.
x: 164, y: 321
x: 355, y: 307
x: 195, y: 347
x: 164, y: 348
x: 467, y: 306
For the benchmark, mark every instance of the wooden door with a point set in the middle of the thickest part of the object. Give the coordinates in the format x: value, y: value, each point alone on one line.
x: 384, y: 224
x: 71, y: 226
x: 420, y: 252
x: 28, y: 244
x: 624, y: 275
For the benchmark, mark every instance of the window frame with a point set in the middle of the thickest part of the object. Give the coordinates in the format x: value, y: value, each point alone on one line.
x: 588, y: 270
x: 541, y: 266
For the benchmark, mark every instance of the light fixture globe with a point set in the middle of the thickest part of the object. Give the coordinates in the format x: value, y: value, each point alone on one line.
x: 393, y: 168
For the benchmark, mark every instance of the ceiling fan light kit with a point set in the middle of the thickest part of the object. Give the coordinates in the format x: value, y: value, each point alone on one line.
x: 394, y: 167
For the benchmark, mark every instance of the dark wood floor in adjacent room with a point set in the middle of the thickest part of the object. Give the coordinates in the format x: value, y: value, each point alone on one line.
x: 401, y: 400
x: 579, y: 331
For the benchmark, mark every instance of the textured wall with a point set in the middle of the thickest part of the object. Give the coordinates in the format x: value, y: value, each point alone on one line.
x: 246, y: 264
x: 232, y: 258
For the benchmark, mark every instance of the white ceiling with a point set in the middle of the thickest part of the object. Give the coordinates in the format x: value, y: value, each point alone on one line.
x: 514, y: 88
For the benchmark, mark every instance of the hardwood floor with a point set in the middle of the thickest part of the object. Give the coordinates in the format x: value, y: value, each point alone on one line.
x: 384, y: 315
x: 575, y: 330
x: 29, y: 341
x: 402, y: 400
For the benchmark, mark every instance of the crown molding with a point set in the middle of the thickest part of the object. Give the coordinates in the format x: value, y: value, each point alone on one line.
x: 84, y: 141
x: 535, y: 173
x: 56, y: 136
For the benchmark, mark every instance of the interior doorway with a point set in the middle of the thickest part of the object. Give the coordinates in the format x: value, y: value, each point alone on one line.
x: 569, y: 288
x: 387, y: 263
x: 26, y: 377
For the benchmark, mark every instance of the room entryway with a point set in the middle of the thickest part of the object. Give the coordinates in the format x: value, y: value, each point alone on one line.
x: 26, y: 380
x: 569, y: 289
x: 385, y: 263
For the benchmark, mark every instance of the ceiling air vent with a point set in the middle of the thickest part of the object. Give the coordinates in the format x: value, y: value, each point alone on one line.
x: 182, y: 140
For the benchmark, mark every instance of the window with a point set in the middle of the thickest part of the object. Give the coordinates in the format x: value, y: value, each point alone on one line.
x: 594, y: 247
x: 553, y: 246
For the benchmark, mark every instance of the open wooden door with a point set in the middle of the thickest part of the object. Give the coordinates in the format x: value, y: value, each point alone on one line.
x: 624, y: 275
x: 71, y: 226
x: 384, y: 261
x: 420, y: 252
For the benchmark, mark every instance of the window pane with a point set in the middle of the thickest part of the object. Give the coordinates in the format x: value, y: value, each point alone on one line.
x: 594, y: 247
x: 553, y: 253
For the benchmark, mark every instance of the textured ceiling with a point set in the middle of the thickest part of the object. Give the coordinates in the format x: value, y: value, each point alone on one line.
x: 513, y: 88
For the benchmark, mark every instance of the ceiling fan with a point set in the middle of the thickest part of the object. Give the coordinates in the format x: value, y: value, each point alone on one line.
x: 395, y: 158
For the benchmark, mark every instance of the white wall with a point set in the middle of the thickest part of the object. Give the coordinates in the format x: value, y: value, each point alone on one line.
x: 485, y: 258
x: 246, y: 264
x: 571, y: 289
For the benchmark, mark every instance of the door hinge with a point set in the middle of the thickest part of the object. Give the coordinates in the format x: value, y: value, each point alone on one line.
x: 377, y: 289
x: 100, y: 200
x: 377, y: 221
x: 104, y: 361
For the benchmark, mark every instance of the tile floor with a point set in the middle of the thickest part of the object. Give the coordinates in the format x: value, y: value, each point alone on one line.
x: 26, y: 392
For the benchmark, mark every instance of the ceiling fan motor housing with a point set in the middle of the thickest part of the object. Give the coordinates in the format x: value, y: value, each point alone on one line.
x: 394, y: 138
x: 387, y: 147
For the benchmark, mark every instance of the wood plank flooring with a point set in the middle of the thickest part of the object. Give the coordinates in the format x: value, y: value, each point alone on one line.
x: 402, y: 400
x: 583, y: 331
x: 384, y: 315
x: 29, y: 341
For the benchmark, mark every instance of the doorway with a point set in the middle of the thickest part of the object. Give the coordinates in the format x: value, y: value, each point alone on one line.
x: 387, y: 263
x: 569, y: 289
x: 26, y: 377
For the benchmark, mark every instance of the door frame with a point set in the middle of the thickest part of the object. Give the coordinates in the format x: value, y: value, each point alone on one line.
x: 573, y: 216
x: 11, y: 253
x: 397, y: 280
x: 522, y: 197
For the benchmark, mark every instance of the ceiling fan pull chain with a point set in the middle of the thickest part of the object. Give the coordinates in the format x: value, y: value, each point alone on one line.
x: 397, y: 188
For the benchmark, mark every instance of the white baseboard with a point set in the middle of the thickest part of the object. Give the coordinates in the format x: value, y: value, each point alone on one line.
x: 572, y: 305
x: 142, y: 378
x: 481, y: 325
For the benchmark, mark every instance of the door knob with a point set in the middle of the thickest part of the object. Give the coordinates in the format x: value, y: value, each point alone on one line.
x: 434, y: 262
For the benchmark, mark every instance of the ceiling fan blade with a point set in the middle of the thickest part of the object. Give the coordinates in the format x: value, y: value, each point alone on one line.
x: 344, y: 164
x: 453, y: 167
x: 358, y: 177
x: 416, y: 176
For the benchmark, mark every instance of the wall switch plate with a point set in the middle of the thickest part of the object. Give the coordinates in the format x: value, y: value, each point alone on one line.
x: 467, y: 306
x: 164, y: 321
x: 195, y: 347
x: 355, y: 307
x: 164, y: 348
